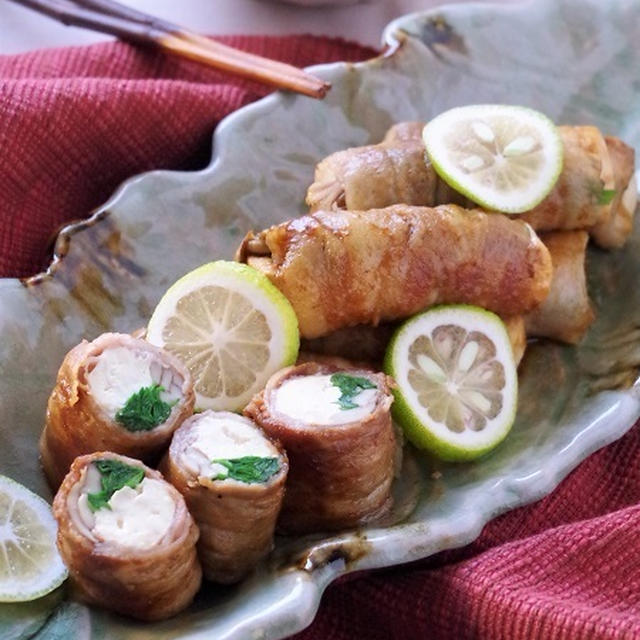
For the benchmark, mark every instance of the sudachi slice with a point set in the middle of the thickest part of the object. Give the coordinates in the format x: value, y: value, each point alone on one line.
x: 232, y: 329
x: 457, y: 380
x: 503, y: 157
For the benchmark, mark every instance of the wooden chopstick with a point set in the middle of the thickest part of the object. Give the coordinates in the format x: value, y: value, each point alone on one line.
x: 108, y: 16
x: 113, y: 8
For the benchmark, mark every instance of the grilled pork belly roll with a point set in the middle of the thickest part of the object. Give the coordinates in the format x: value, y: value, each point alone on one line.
x: 343, y: 268
x: 116, y: 393
x: 367, y: 345
x: 578, y: 200
x: 613, y: 233
x: 515, y: 326
x: 395, y: 172
x: 232, y: 477
x: 404, y: 133
x: 336, y: 428
x: 566, y: 313
x: 127, y: 538
x: 377, y: 176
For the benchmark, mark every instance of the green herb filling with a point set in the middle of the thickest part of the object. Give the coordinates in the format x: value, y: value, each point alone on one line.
x: 350, y: 387
x: 114, y: 476
x: 249, y: 469
x: 606, y: 196
x: 144, y: 410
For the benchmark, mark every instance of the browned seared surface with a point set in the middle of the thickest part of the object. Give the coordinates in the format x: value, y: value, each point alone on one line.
x: 377, y: 176
x: 151, y: 584
x: 397, y: 172
x: 339, y: 475
x: 614, y: 232
x: 574, y: 200
x: 566, y: 314
x: 517, y: 336
x: 365, y: 345
x: 76, y: 424
x: 343, y: 268
x: 236, y: 520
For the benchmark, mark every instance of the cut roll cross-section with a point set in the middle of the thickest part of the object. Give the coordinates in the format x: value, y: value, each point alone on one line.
x: 502, y: 157
x: 232, y: 329
x: 456, y: 381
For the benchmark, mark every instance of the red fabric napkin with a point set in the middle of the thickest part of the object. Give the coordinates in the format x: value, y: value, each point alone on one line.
x: 76, y: 122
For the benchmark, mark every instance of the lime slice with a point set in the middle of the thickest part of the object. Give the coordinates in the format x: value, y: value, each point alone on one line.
x: 30, y: 565
x: 232, y: 329
x: 502, y: 157
x: 456, y: 378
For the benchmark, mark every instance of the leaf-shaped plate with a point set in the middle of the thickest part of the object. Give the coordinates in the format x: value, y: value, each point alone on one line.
x: 572, y: 59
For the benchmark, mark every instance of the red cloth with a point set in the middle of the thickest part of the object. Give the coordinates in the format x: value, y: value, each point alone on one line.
x: 75, y: 122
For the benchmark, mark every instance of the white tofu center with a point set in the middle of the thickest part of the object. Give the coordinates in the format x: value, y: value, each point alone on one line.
x: 118, y: 374
x: 226, y: 436
x: 314, y: 400
x: 138, y: 518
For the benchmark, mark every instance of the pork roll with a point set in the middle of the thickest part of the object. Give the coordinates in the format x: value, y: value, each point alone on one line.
x: 377, y: 176
x: 232, y: 477
x: 367, y: 345
x: 343, y: 268
x: 566, y: 313
x: 336, y: 428
x: 515, y: 326
x: 596, y: 172
x: 127, y: 538
x: 614, y: 232
x: 116, y: 393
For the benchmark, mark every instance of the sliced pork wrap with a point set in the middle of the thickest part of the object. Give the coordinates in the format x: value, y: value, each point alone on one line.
x: 566, y: 313
x: 596, y: 172
x: 367, y: 344
x: 343, y: 268
x: 377, y: 176
x: 515, y: 326
x: 335, y: 425
x: 614, y: 232
x: 232, y: 477
x: 116, y: 393
x: 126, y: 537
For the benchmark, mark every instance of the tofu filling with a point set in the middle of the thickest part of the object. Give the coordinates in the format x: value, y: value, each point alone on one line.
x: 315, y: 399
x: 231, y: 438
x: 119, y: 373
x: 134, y: 517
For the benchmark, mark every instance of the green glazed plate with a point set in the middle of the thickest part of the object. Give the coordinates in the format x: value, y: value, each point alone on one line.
x: 576, y: 61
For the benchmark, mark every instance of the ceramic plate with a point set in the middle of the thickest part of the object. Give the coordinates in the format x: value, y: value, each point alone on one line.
x: 575, y: 61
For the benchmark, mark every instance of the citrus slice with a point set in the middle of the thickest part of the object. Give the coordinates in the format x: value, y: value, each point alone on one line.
x: 30, y: 565
x: 232, y: 329
x: 456, y: 378
x: 503, y: 157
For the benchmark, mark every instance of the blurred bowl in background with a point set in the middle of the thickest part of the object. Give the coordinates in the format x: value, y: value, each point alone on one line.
x: 316, y: 3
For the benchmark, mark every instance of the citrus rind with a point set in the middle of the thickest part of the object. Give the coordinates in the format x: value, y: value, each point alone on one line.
x: 255, y: 290
x: 34, y: 533
x: 502, y: 157
x: 414, y: 418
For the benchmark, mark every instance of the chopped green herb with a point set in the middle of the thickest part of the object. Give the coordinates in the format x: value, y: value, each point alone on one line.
x: 115, y: 475
x: 249, y: 469
x: 144, y: 410
x: 606, y: 196
x: 350, y: 387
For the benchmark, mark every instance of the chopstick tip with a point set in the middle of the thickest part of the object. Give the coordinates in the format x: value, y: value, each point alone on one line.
x: 320, y: 88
